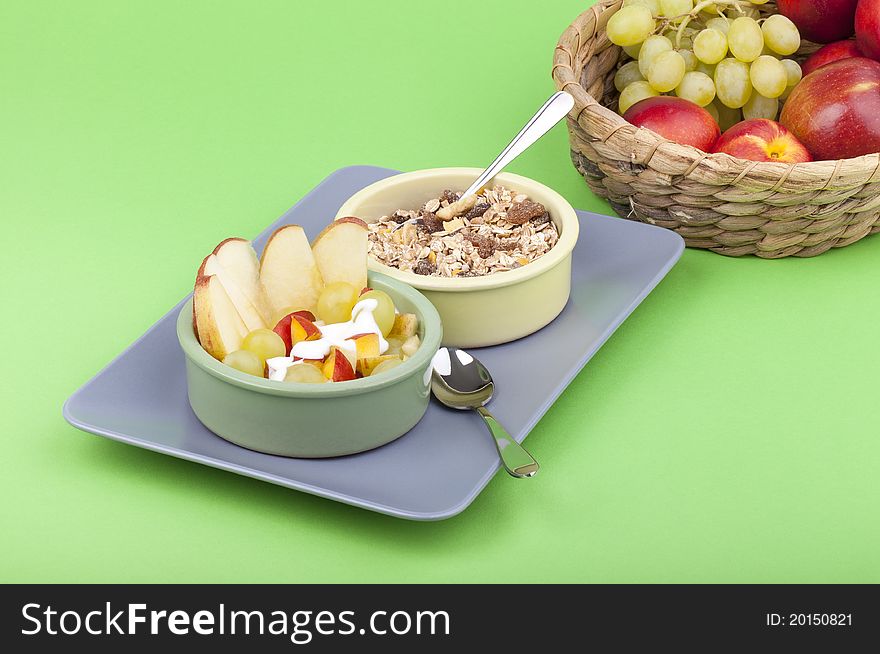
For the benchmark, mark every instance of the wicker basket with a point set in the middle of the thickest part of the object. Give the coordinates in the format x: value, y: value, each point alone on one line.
x: 728, y: 205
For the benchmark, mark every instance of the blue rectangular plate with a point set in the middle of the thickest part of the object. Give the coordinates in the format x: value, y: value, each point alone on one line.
x: 437, y: 469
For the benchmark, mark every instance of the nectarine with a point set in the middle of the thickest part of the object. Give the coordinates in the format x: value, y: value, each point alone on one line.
x: 762, y: 140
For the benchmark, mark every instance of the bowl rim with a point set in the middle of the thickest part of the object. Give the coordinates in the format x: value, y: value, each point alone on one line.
x: 564, y: 215
x: 431, y: 328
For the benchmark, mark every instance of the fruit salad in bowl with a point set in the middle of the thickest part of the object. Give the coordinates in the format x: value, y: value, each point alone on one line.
x: 302, y: 352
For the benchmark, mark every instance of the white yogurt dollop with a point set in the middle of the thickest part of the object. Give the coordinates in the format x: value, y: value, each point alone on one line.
x: 338, y: 334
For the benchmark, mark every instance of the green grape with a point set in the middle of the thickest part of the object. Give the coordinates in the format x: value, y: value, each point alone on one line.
x: 768, y: 76
x: 793, y: 72
x: 760, y: 107
x: 626, y: 75
x: 246, y: 362
x: 720, y: 24
x: 395, y: 345
x: 264, y: 343
x: 652, y: 47
x: 667, y: 71
x: 630, y: 25
x: 633, y: 51
x: 687, y: 37
x: 690, y: 59
x: 676, y: 8
x: 781, y: 35
x: 745, y: 39
x: 385, y: 366
x: 635, y: 92
x: 732, y: 83
x: 713, y: 111
x: 727, y: 117
x: 710, y: 46
x: 707, y: 69
x: 336, y: 302
x: 685, y: 42
x: 305, y: 373
x: 696, y: 87
x: 384, y: 313
x: 653, y: 5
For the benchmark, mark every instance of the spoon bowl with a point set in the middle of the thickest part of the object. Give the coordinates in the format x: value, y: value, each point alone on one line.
x: 460, y: 381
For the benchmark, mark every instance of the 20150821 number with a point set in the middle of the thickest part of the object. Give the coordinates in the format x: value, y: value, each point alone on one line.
x: 809, y: 620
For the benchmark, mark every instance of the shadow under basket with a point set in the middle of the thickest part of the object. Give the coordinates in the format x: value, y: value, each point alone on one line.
x: 731, y: 206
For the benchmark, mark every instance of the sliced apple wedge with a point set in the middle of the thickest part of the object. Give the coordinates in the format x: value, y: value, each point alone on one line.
x: 288, y: 270
x: 366, y: 366
x: 405, y: 326
x: 219, y: 327
x: 249, y: 314
x: 341, y: 252
x: 242, y: 269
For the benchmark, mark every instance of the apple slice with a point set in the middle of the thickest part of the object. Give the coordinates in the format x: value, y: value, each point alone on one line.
x: 251, y: 317
x: 288, y: 270
x: 366, y: 366
x: 237, y: 257
x: 337, y: 367
x: 219, y: 327
x: 341, y: 252
x: 405, y: 325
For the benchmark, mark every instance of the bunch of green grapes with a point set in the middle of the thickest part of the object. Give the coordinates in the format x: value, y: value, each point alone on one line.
x: 720, y: 55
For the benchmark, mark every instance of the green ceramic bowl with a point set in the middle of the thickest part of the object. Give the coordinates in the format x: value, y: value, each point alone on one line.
x: 480, y: 311
x: 314, y: 420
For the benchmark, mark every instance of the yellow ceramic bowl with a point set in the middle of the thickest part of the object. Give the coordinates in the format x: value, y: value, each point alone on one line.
x: 480, y: 311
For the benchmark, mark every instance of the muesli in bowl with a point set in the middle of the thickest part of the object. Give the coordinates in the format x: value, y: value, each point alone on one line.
x: 496, y: 230
x: 519, y: 282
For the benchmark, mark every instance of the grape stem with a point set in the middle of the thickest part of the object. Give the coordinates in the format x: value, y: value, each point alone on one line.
x: 687, y: 18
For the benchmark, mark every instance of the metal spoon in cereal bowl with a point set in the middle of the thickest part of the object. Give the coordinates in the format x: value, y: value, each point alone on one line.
x: 554, y: 110
x: 461, y: 382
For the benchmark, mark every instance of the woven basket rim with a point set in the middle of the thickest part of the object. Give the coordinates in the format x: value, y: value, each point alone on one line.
x: 614, y: 130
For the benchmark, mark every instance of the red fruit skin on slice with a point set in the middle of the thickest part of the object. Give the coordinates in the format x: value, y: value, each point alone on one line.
x: 283, y: 327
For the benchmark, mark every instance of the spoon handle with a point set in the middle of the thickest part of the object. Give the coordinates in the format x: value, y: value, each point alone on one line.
x: 554, y: 110
x: 516, y: 460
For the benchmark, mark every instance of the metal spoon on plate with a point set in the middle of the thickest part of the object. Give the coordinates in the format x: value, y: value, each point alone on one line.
x: 461, y: 382
x: 554, y: 110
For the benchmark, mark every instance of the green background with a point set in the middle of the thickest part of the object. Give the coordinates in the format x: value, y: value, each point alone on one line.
x: 728, y: 431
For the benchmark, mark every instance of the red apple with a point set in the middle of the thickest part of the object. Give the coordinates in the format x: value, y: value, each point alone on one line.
x: 762, y: 140
x: 821, y: 21
x: 835, y: 111
x: 676, y: 119
x: 831, y: 53
x: 868, y: 27
x: 283, y: 326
